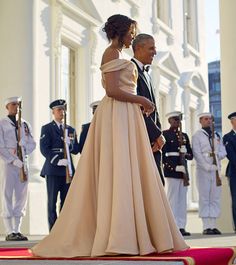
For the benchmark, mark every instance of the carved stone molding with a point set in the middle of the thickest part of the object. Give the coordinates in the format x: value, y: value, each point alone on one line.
x: 173, y: 94
x: 170, y: 39
x: 155, y: 26
x: 186, y: 98
x: 93, y: 40
x: 201, y: 105
x: 134, y: 11
x: 57, y: 21
x: 186, y: 52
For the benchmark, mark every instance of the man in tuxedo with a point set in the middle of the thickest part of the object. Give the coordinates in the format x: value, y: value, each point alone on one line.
x: 144, y: 50
x: 229, y: 140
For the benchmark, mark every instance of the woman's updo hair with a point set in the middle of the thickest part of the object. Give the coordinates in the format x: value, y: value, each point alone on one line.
x: 118, y: 26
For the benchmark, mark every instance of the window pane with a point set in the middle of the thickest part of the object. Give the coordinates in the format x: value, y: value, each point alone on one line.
x: 65, y: 72
x: 67, y: 79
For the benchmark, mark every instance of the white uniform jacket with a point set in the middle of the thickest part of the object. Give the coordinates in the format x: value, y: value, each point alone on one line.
x: 8, y: 140
x: 209, y: 192
x: 202, y: 150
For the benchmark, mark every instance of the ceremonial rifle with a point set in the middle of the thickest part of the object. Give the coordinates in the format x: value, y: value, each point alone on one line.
x: 218, y: 179
x: 20, y: 149
x: 183, y: 161
x: 69, y: 172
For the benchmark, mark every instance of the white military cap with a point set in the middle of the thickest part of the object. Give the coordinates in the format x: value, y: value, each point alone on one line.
x: 12, y: 99
x: 174, y: 114
x: 204, y: 114
x: 94, y: 104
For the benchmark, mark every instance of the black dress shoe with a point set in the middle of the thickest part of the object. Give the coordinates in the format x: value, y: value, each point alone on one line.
x: 208, y: 231
x: 216, y: 231
x: 21, y: 237
x: 184, y: 232
x: 12, y: 237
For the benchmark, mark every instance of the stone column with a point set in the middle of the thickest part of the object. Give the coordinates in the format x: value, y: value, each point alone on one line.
x: 18, y: 67
x: 186, y: 103
x: 228, y: 93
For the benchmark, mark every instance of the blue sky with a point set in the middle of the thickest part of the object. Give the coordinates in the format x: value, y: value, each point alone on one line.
x: 212, y: 26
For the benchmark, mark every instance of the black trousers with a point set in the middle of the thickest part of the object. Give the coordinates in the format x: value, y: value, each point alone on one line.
x: 232, y: 185
x: 55, y: 185
x: 158, y: 159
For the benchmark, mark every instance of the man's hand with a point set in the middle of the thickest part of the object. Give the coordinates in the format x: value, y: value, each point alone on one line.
x: 158, y: 144
x: 67, y: 140
x: 180, y: 169
x: 161, y: 140
x: 22, y: 142
x: 63, y: 162
x: 183, y: 149
x: 147, y: 106
x: 212, y: 167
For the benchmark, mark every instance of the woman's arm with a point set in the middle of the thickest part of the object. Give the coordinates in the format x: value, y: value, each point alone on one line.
x: 113, y: 90
x: 112, y: 85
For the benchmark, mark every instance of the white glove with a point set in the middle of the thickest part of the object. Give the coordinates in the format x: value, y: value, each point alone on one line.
x: 180, y: 169
x: 183, y: 149
x: 22, y: 142
x: 67, y: 140
x: 62, y: 162
x: 211, y: 154
x: 213, y: 168
x: 18, y: 163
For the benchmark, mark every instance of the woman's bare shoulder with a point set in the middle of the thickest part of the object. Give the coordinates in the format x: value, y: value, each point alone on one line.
x: 109, y: 55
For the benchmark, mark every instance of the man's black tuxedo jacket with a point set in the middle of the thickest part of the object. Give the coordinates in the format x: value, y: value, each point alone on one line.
x: 152, y: 122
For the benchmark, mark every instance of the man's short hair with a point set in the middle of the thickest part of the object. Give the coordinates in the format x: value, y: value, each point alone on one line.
x: 140, y: 39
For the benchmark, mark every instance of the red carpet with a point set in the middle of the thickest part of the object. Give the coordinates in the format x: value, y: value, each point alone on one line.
x: 193, y: 256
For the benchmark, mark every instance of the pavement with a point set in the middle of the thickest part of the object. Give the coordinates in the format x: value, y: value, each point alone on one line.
x: 195, y: 240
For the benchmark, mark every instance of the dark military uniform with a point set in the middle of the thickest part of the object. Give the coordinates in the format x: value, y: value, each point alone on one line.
x: 85, y: 127
x: 83, y: 135
x: 229, y: 140
x: 176, y: 191
x: 170, y: 152
x: 52, y: 148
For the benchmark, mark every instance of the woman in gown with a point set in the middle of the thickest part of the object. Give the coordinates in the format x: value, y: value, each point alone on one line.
x: 116, y: 203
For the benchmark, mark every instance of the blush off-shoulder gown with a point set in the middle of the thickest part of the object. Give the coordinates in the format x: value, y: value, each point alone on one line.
x: 116, y: 203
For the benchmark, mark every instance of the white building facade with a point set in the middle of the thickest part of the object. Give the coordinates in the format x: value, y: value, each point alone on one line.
x: 52, y: 49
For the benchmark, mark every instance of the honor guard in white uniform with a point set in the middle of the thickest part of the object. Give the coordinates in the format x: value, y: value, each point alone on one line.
x: 176, y: 152
x: 208, y: 150
x: 16, y: 142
